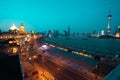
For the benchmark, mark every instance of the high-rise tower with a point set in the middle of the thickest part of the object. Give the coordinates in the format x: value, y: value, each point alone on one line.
x: 68, y: 30
x: 109, y: 22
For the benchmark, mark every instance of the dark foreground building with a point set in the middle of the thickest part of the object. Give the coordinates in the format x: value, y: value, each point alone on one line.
x: 10, y: 68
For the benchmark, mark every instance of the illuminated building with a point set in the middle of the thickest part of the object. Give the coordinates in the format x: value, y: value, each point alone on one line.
x: 109, y: 21
x: 19, y: 34
x: 102, y: 32
x: 33, y: 34
x: 13, y: 29
x: 117, y: 34
x: 22, y: 30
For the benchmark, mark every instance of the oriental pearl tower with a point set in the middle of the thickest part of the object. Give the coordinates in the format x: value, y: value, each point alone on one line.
x: 109, y: 22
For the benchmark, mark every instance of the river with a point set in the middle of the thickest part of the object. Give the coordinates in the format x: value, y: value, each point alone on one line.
x: 98, y: 46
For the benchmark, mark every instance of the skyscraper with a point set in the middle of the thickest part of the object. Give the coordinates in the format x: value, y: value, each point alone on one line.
x: 109, y: 22
x: 0, y: 31
x: 68, y: 30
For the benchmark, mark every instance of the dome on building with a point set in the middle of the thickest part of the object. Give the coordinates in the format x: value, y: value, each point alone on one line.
x: 13, y: 27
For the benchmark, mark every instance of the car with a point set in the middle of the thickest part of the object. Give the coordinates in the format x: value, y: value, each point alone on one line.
x: 23, y: 54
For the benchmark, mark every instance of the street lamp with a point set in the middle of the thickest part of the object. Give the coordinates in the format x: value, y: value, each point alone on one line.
x: 96, y: 67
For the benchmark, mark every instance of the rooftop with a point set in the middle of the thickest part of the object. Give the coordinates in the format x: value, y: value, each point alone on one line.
x: 13, y: 27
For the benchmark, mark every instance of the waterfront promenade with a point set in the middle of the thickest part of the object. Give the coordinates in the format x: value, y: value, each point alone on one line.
x: 80, y: 67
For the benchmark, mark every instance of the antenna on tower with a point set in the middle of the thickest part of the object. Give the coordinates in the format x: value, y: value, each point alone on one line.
x: 110, y: 13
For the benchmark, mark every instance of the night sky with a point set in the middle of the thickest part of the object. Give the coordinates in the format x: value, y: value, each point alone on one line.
x: 44, y: 15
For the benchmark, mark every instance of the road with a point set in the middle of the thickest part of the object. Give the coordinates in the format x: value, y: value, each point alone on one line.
x: 60, y: 72
x: 57, y: 70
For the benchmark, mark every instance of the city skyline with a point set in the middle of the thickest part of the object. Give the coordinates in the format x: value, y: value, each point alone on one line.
x: 81, y: 16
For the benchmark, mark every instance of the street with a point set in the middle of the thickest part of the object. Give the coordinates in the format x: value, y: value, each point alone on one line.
x: 53, y: 67
x: 60, y: 72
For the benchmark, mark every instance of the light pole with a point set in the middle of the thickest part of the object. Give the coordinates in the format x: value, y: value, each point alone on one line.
x: 96, y: 67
